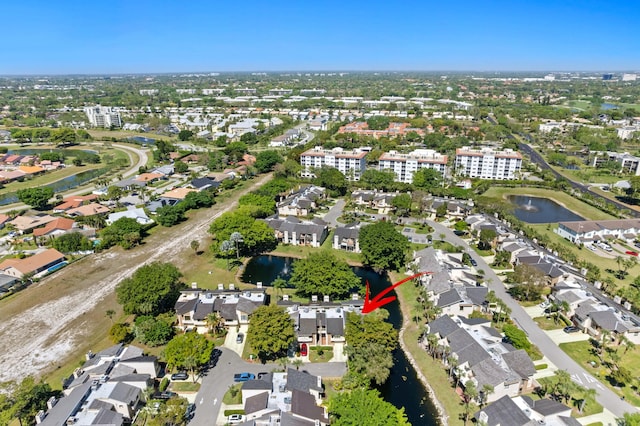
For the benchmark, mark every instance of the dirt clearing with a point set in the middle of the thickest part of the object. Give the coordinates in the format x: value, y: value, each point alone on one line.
x: 55, y: 320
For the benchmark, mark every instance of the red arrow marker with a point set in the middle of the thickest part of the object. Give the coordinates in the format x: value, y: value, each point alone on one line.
x: 379, y: 300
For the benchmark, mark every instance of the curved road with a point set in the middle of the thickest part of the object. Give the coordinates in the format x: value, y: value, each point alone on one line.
x: 536, y: 158
x: 606, y: 397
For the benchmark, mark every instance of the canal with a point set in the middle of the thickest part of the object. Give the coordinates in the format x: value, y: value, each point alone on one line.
x: 403, y: 388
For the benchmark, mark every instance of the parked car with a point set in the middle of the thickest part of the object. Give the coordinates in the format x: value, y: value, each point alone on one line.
x: 240, y: 338
x: 165, y: 395
x: 570, y: 329
x: 191, y: 408
x: 473, y: 262
x: 631, y: 253
x: 180, y: 375
x: 234, y: 419
x: 243, y: 377
x: 304, y: 350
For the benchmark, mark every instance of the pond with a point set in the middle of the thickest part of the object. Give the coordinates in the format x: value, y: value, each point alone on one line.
x: 403, y: 388
x: 541, y: 210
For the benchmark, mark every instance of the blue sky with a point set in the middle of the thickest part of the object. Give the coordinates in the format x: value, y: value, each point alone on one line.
x: 146, y: 36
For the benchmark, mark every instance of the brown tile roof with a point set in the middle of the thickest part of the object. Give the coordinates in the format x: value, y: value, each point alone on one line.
x: 89, y: 210
x: 61, y: 223
x: 178, y: 193
x: 33, y: 263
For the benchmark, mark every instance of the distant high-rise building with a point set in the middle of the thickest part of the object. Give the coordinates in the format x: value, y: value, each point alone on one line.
x: 106, y: 117
x: 350, y: 163
x: 487, y: 163
x: 607, y: 77
x: 629, y: 77
x: 405, y: 165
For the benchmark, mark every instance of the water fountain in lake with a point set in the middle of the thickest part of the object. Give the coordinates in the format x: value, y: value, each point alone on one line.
x: 528, y: 207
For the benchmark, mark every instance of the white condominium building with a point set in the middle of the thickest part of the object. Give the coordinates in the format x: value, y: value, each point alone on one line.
x: 487, y: 163
x: 349, y: 163
x: 100, y: 116
x: 405, y: 165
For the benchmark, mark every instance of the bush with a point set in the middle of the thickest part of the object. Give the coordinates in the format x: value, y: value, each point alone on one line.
x: 230, y: 412
x: 164, y: 384
x: 541, y: 367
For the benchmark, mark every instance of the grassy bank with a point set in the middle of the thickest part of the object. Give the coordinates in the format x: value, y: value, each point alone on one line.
x: 432, y: 370
x: 565, y: 200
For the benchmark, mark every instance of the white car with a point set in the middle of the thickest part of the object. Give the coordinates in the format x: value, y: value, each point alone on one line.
x: 234, y: 419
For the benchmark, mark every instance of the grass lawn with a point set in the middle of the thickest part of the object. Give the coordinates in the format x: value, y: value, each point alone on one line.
x: 233, y: 395
x: 587, y: 255
x: 314, y: 355
x: 566, y: 200
x: 432, y: 369
x: 590, y: 407
x: 581, y: 353
x: 548, y: 323
x: 48, y: 178
x: 187, y: 386
x: 208, y: 272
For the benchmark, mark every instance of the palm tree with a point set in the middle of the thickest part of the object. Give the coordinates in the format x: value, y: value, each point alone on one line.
x: 587, y: 393
x: 225, y: 247
x: 236, y: 238
x: 284, y: 361
x: 469, y: 394
x: 452, y: 361
x: 605, y: 336
x: 215, y: 322
x: 484, y: 393
x: 297, y: 363
x: 279, y: 284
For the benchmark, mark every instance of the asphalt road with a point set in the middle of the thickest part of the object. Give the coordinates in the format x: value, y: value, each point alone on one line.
x: 334, y: 213
x: 217, y: 380
x: 605, y: 397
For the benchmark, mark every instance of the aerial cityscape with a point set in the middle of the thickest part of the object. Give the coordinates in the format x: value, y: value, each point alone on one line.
x: 305, y: 215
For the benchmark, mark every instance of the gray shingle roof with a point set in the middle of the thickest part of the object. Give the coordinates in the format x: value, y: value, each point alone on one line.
x: 548, y: 407
x: 108, y: 417
x: 443, y: 326
x: 608, y: 320
x: 302, y: 381
x: 257, y: 385
x: 125, y: 393
x: 520, y: 362
x: 335, y: 326
x: 304, y: 405
x: 287, y: 419
x: 256, y: 402
x: 449, y: 298
x: 487, y: 372
x: 503, y: 412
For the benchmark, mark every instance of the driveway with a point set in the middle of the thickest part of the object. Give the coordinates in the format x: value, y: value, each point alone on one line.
x: 334, y: 213
x: 231, y: 342
x: 606, y: 397
x: 217, y: 380
x: 559, y: 336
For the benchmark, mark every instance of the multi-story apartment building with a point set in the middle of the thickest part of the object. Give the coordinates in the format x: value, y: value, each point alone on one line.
x: 405, y: 165
x: 488, y: 163
x: 100, y: 116
x: 349, y: 163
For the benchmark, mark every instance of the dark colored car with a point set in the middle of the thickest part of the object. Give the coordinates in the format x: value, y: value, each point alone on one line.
x: 165, y: 395
x: 191, y: 408
x: 180, y: 375
x: 570, y: 329
x: 473, y: 262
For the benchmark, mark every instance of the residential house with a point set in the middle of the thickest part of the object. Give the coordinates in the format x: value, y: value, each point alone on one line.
x: 549, y: 268
x: 598, y: 230
x: 3, y: 220
x: 291, y: 230
x: 149, y: 177
x: 74, y: 201
x: 39, y: 263
x: 56, y: 228
x: 177, y: 194
x: 524, y: 411
x: 134, y: 213
x: 347, y: 237
x: 302, y: 202
x: 234, y: 306
x: 482, y: 357
x: 25, y: 224
x: 88, y: 210
x: 201, y: 184
x: 6, y: 282
x: 594, y: 318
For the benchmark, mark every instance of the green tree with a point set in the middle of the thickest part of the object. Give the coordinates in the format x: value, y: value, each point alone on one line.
x: 486, y: 239
x: 152, y: 289
x: 171, y: 413
x: 402, y: 204
x: 188, y: 351
x: 332, y: 179
x: 26, y: 399
x: 516, y: 337
x: 180, y: 167
x: 378, y: 179
x: 427, y: 179
x: 266, y: 160
x: 152, y: 331
x: 383, y: 247
x: 271, y: 332
x: 629, y: 419
x: 185, y: 135
x: 258, y: 205
x: 72, y: 242
x: 257, y: 236
x: 370, y: 342
x: 469, y: 394
x: 119, y: 333
x: 364, y: 407
x: 120, y: 232
x: 37, y: 197
x: 322, y: 273
x: 169, y: 215
x: 64, y: 136
x: 528, y: 281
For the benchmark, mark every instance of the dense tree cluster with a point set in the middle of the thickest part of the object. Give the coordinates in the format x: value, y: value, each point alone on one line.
x: 383, y: 247
x: 365, y: 408
x: 257, y: 236
x: 151, y: 290
x: 35, y: 197
x: 322, y: 273
x: 126, y: 232
x: 271, y: 332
